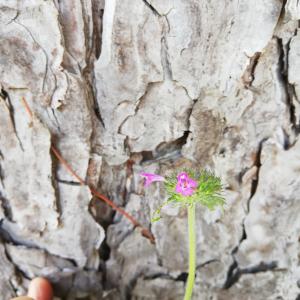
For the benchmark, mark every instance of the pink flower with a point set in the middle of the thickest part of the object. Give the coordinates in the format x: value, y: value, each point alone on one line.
x: 185, y: 185
x: 149, y: 178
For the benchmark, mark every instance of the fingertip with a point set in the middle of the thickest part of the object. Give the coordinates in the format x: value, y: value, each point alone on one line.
x: 40, y: 289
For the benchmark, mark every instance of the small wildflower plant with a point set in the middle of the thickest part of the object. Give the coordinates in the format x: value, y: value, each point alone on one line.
x: 187, y: 189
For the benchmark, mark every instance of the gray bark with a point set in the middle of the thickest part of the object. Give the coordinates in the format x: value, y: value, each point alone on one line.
x: 124, y: 86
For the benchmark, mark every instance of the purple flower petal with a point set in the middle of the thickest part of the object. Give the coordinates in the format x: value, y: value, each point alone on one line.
x: 150, y: 177
x: 185, y: 185
x: 183, y: 176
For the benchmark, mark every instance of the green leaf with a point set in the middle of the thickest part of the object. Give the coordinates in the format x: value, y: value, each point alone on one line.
x: 209, y: 190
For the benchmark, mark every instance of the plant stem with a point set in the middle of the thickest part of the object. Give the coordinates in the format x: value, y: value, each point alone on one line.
x: 192, y: 252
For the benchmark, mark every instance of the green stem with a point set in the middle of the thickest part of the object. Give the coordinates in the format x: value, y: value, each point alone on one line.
x: 192, y: 252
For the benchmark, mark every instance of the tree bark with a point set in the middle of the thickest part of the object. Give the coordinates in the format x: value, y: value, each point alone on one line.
x: 124, y: 86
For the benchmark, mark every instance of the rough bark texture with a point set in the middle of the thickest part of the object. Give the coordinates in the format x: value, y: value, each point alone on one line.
x: 121, y: 86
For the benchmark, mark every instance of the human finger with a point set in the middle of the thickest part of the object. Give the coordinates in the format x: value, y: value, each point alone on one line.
x: 40, y: 289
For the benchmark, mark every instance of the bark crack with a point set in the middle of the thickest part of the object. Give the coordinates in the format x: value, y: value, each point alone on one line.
x: 235, y: 272
x: 44, y: 51
x: 97, y: 26
x: 14, y: 18
x: 249, y: 75
x: 1, y: 171
x: 152, y: 8
x: 17, y: 269
x: 6, y: 208
x: 68, y: 182
x: 55, y: 186
x: 4, y: 95
x: 165, y: 151
x: 7, y: 237
x: 56, y: 119
x: 289, y: 89
x: 92, y: 54
x: 164, y: 49
x: 257, y: 164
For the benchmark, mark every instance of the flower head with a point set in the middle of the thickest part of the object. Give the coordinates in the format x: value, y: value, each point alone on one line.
x: 150, y: 177
x: 185, y: 186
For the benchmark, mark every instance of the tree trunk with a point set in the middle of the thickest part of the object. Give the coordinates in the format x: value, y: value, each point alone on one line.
x: 136, y: 85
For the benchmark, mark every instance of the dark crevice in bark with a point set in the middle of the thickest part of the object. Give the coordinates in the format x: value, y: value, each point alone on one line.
x: 17, y: 272
x: 257, y: 163
x: 8, y: 238
x: 55, y: 119
x: 182, y: 277
x: 54, y: 168
x: 13, y: 287
x: 17, y: 269
x: 1, y: 171
x: 165, y: 61
x: 248, y: 76
x: 93, y: 53
x: 105, y: 250
x: 287, y: 143
x: 152, y: 8
x: 6, y: 208
x: 165, y: 151
x: 207, y: 263
x: 4, y: 95
x: 162, y: 275
x: 68, y: 182
x: 14, y: 18
x: 1, y: 177
x: 234, y: 273
x: 282, y: 12
x: 97, y: 27
x: 90, y: 81
x: 97, y: 111
x: 147, y: 156
x: 232, y: 276
x: 121, y: 234
x: 105, y: 216
x: 283, y: 66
